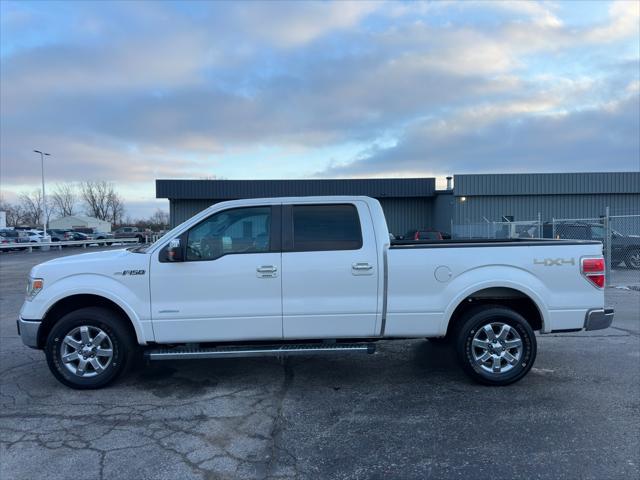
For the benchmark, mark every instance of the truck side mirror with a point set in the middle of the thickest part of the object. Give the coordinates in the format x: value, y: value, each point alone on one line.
x: 175, y: 251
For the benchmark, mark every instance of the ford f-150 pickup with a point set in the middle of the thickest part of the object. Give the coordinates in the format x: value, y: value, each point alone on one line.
x: 286, y: 276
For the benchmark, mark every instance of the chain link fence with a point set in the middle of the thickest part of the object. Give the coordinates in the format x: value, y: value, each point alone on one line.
x: 519, y: 229
x: 620, y: 237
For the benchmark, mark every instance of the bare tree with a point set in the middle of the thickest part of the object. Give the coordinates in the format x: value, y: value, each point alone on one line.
x: 116, y: 207
x: 31, y: 206
x: 95, y: 195
x: 64, y: 199
x: 13, y: 211
x: 102, y: 201
x: 159, y: 220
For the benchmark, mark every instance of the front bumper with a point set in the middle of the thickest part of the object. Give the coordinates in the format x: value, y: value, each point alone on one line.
x: 28, y: 331
x: 598, y: 319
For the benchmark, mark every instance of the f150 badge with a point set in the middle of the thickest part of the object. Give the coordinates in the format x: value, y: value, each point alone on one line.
x: 130, y: 272
x: 550, y: 262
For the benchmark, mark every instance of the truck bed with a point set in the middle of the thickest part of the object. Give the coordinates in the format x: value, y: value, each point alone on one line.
x: 487, y: 242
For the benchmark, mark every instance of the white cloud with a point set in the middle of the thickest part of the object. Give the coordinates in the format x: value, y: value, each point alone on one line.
x: 287, y: 24
x: 624, y: 21
x: 502, y: 139
x: 140, y: 90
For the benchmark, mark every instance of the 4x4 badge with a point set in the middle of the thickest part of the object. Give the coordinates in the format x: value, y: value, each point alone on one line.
x: 549, y: 262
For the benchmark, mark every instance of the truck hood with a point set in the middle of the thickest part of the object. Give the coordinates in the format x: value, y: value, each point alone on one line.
x: 108, y: 263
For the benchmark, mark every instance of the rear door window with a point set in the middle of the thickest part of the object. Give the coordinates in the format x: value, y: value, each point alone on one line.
x: 326, y: 227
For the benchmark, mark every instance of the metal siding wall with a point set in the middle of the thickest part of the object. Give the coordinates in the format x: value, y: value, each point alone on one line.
x: 232, y: 189
x: 404, y: 214
x: 526, y: 207
x: 181, y: 210
x: 547, y: 183
x: 443, y: 211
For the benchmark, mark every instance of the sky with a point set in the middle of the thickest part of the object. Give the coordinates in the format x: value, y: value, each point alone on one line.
x: 133, y: 91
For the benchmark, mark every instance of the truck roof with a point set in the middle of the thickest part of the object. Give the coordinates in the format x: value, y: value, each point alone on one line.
x: 287, y: 200
x: 306, y: 199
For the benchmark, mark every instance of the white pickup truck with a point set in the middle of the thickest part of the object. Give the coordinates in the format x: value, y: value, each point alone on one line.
x: 285, y: 276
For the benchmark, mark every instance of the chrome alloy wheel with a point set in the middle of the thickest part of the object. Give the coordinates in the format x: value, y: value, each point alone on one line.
x: 496, y: 347
x: 634, y: 259
x: 86, y: 351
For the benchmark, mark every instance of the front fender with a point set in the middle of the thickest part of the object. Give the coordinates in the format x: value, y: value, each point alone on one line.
x: 132, y: 299
x: 504, y: 276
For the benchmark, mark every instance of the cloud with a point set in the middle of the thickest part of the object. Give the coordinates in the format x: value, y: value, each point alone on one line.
x: 131, y: 91
x: 501, y: 139
x: 293, y: 26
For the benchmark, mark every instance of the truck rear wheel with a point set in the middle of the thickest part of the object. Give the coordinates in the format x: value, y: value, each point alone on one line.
x: 89, y: 348
x: 632, y: 259
x: 495, y: 345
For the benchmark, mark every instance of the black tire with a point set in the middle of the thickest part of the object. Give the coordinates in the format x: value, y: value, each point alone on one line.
x: 140, y: 238
x: 121, y: 340
x: 473, y: 326
x: 632, y: 259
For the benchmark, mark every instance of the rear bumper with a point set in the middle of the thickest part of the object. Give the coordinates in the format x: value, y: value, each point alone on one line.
x: 28, y: 331
x: 598, y: 319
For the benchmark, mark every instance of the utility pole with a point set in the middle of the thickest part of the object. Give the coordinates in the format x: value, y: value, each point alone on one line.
x: 44, y: 198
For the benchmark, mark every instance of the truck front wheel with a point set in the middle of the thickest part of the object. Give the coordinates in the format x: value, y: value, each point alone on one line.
x: 89, y: 348
x: 495, y: 345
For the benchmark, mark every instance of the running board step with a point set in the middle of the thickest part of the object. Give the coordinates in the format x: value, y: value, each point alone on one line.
x: 257, y: 351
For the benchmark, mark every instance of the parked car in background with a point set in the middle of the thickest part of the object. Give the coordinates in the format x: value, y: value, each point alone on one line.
x: 423, y: 234
x: 13, y: 236
x: 102, y: 235
x: 85, y: 230
x: 34, y: 236
x: 624, y: 248
x: 8, y: 236
x: 130, y: 232
x: 56, y: 234
x: 73, y: 235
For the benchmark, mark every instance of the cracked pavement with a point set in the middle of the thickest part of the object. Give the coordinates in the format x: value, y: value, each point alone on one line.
x: 406, y: 412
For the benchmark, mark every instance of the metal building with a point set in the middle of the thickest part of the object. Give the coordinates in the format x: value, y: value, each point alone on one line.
x: 551, y: 195
x: 415, y: 203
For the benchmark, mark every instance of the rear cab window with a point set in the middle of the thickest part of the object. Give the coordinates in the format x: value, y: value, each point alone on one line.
x: 325, y: 227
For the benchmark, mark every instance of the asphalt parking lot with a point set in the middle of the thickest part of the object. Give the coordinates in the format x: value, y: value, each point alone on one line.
x: 406, y: 412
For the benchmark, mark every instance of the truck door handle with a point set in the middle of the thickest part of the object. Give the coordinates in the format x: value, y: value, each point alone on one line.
x: 361, y: 266
x: 267, y: 271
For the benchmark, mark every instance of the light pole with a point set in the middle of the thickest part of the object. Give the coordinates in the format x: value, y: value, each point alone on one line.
x: 44, y: 199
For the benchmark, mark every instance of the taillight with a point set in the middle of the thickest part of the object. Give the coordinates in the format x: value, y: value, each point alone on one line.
x: 416, y: 236
x: 593, y: 270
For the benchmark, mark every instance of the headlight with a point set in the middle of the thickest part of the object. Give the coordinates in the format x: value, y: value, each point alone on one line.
x: 33, y: 287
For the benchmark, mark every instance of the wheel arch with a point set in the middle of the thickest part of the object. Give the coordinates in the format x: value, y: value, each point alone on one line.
x: 517, y: 298
x: 77, y: 301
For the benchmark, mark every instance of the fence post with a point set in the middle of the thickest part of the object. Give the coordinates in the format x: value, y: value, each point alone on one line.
x: 607, y: 250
